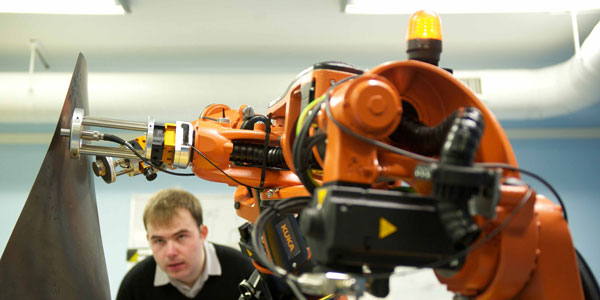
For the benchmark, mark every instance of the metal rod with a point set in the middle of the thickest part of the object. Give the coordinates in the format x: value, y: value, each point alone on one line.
x: 65, y: 132
x: 32, y: 44
x: 42, y: 58
x: 124, y: 171
x: 107, y: 151
x: 91, y: 135
x: 575, y: 28
x: 117, y: 124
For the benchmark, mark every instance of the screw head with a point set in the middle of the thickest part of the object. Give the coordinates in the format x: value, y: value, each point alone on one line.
x: 248, y: 112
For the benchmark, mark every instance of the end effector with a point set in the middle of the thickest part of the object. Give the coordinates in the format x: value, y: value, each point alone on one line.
x: 162, y: 146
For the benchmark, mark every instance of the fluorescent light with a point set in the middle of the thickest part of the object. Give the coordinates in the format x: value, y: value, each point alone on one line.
x: 466, y: 6
x: 67, y: 7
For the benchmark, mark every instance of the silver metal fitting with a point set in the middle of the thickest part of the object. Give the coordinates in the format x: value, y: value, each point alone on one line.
x: 248, y: 112
x: 149, y: 137
x: 184, y: 138
x: 77, y: 134
x: 331, y: 283
x: 271, y: 192
x: 75, y: 141
x: 423, y: 172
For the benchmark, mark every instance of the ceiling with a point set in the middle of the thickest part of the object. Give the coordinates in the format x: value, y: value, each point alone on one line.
x: 227, y: 40
x: 198, y: 35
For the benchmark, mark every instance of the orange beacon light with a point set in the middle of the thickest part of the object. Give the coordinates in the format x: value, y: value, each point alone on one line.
x: 424, y: 37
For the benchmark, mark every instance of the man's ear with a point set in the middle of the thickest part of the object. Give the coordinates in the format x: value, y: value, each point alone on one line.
x: 203, y: 231
x: 147, y: 237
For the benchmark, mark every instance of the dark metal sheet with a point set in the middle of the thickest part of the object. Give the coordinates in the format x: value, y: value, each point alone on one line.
x: 55, y: 250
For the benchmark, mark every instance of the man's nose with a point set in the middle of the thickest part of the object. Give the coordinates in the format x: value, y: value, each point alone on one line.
x: 171, y: 249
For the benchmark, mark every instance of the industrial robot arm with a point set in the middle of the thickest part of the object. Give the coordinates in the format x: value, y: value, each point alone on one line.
x: 398, y: 165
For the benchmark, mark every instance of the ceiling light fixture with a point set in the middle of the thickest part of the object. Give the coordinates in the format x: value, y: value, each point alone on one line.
x: 65, y: 7
x: 388, y: 7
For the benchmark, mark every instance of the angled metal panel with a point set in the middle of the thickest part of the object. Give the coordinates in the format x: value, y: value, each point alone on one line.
x: 55, y: 250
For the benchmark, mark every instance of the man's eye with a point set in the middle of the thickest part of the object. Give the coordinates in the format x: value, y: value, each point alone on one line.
x: 181, y: 236
x: 158, y: 241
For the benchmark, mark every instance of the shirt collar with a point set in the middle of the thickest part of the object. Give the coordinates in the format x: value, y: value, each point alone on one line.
x: 212, y: 267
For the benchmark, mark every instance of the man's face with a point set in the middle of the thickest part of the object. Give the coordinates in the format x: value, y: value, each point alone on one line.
x: 178, y: 247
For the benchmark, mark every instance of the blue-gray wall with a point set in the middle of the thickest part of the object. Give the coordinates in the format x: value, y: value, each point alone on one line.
x: 571, y: 165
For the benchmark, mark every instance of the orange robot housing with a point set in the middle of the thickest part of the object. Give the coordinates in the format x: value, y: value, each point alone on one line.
x: 531, y: 258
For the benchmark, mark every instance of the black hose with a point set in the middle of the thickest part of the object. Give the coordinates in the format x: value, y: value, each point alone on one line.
x: 417, y: 137
x: 253, y: 154
x: 249, y: 123
x: 411, y: 134
x: 463, y: 138
x: 459, y: 149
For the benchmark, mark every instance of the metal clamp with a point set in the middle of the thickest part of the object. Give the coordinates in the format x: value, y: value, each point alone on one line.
x: 149, y: 137
x: 76, y: 132
x: 184, y: 139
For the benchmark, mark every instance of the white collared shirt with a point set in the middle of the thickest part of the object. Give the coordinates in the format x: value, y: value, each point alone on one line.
x: 212, y: 267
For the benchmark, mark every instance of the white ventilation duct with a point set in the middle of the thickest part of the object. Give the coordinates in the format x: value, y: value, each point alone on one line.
x: 135, y: 96
x: 545, y: 92
x: 511, y: 94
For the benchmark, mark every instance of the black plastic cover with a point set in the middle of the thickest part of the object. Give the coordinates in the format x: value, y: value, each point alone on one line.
x: 351, y: 224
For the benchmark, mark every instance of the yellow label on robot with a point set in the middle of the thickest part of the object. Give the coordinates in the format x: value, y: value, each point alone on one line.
x: 386, y: 228
x: 321, y: 196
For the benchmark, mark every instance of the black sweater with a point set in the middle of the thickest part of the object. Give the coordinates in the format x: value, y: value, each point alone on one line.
x: 138, y: 284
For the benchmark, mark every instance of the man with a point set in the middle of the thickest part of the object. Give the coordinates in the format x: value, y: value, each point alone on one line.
x: 183, y: 265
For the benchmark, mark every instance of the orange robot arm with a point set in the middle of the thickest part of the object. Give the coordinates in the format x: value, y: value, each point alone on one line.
x: 520, y: 260
x: 522, y: 250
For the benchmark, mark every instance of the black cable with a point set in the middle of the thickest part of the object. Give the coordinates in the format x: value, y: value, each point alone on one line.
x: 539, y: 178
x: 591, y: 291
x: 307, y: 155
x: 305, y: 160
x: 249, y: 123
x: 118, y: 140
x: 217, y: 167
x: 263, y: 168
x: 265, y: 152
x: 298, y: 146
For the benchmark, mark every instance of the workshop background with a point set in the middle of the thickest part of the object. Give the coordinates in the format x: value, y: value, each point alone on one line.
x: 539, y: 72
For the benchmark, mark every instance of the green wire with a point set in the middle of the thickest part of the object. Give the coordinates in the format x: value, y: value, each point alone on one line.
x: 309, y: 172
x: 305, y: 112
